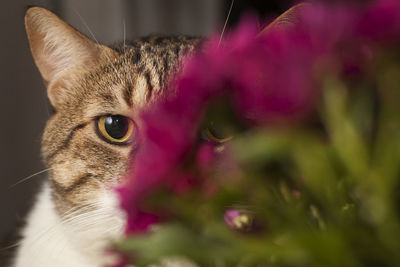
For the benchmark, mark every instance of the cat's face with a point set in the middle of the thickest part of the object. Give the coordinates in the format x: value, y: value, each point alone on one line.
x: 97, y: 93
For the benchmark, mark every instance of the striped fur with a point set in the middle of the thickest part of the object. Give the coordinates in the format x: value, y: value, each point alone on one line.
x: 86, y: 80
x: 123, y: 82
x: 134, y: 78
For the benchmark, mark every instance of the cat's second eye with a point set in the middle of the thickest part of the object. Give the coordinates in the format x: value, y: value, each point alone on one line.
x: 211, y: 134
x: 115, y: 129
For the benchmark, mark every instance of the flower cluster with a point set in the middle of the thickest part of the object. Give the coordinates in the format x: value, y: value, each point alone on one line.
x: 247, y: 82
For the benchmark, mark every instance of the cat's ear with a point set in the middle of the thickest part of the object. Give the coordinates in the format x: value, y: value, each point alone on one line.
x: 59, y: 49
x: 287, y: 19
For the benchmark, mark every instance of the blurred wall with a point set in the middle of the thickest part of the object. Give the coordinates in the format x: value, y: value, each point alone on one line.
x: 23, y: 111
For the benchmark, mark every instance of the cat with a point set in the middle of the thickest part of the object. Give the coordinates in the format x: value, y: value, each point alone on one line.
x: 97, y: 93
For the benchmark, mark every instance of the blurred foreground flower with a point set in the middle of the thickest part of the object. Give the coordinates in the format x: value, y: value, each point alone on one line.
x: 298, y: 128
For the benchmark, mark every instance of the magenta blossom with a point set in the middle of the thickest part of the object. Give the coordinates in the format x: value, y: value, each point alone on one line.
x: 238, y: 220
x: 270, y: 79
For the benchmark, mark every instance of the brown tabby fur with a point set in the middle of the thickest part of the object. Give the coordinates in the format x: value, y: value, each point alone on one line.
x: 120, y: 80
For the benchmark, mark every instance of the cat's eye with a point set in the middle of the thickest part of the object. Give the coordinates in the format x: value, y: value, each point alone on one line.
x: 115, y: 129
x: 211, y: 134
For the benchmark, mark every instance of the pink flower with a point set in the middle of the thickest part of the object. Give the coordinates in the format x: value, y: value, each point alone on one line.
x: 274, y: 79
x: 206, y: 155
x: 380, y: 22
x: 230, y: 216
x: 238, y: 220
x: 268, y: 80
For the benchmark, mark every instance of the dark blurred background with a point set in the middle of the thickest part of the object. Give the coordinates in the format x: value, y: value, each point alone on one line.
x: 24, y: 107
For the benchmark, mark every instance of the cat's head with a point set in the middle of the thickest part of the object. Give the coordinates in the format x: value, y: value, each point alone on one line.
x: 96, y: 92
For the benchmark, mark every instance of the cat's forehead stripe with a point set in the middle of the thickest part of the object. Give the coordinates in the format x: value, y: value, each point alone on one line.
x: 128, y: 94
x: 149, y: 86
x: 145, y: 65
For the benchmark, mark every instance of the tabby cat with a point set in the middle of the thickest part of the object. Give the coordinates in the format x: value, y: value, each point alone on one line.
x: 97, y: 93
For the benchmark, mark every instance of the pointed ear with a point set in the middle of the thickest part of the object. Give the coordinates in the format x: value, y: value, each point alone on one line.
x: 287, y: 19
x: 58, y: 49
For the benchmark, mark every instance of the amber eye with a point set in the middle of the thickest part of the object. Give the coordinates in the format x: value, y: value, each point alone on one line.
x: 115, y: 129
x: 211, y: 134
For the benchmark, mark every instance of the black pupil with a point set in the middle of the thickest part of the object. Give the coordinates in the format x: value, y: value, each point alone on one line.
x: 116, y: 126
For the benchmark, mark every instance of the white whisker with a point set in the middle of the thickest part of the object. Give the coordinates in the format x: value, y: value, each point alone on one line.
x: 125, y: 57
x: 11, y: 246
x: 95, y: 39
x: 123, y: 22
x: 77, y: 219
x: 85, y: 222
x: 52, y: 228
x: 226, y: 22
x: 29, y: 177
